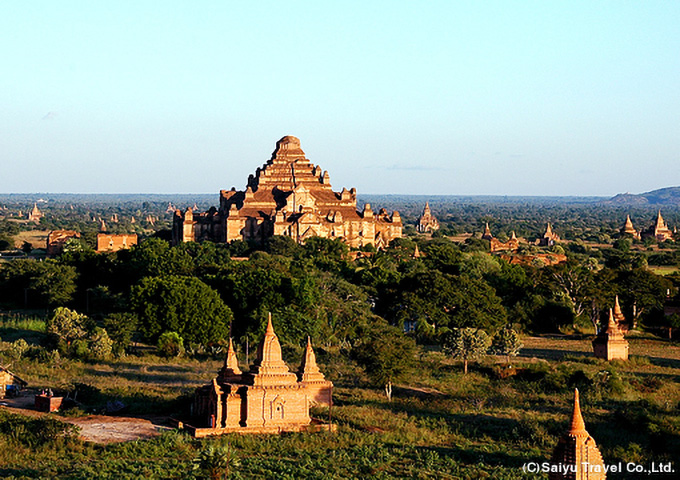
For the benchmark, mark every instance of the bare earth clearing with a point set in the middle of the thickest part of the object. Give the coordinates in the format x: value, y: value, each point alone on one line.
x: 97, y: 428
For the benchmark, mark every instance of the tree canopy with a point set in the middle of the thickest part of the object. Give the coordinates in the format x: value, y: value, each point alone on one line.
x: 184, y: 305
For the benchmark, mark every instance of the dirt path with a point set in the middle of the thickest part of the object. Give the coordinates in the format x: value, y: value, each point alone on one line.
x: 97, y: 428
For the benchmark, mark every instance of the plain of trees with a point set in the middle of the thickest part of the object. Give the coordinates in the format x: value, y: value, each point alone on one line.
x: 199, y: 293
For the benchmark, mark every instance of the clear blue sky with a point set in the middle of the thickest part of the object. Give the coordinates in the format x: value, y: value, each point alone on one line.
x: 504, y: 98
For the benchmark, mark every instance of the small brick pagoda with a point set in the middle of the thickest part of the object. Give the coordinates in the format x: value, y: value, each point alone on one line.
x: 610, y: 343
x: 35, y: 215
x: 267, y: 399
x: 107, y: 242
x: 576, y: 455
x: 495, y: 245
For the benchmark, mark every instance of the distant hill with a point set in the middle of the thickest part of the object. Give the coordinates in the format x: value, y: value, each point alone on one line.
x: 663, y: 196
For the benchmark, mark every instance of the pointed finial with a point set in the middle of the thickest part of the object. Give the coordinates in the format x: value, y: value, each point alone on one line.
x: 578, y: 426
x: 270, y: 327
x: 230, y: 368
x: 309, y: 370
x: 513, y: 237
x: 617, y: 307
x: 612, y: 322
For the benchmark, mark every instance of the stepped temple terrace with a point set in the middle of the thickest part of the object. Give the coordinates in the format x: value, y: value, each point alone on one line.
x: 267, y: 399
x: 288, y: 196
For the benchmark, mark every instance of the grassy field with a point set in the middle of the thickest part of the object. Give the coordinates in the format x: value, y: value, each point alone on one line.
x: 663, y: 269
x: 37, y: 238
x: 441, y: 424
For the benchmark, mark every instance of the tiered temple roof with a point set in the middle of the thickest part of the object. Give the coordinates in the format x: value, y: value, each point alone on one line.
x: 288, y: 196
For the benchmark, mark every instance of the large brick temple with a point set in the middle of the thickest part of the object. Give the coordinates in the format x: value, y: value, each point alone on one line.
x: 292, y: 197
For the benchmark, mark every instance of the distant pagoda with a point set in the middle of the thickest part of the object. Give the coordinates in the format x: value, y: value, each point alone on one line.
x: 549, y: 238
x: 659, y: 230
x: 35, y: 215
x: 628, y: 229
x: 427, y: 222
x: 495, y: 245
x: 487, y: 232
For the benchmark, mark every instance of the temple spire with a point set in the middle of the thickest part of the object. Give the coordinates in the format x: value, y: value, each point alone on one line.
x: 612, y: 326
x: 578, y: 426
x: 230, y: 369
x: 270, y: 327
x: 309, y: 370
x: 269, y: 367
x: 660, y: 223
x: 487, y: 232
x: 618, y: 314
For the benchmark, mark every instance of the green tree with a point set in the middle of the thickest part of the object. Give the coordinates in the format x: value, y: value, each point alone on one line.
x: 506, y: 342
x: 479, y: 265
x: 154, y: 258
x: 67, y: 325
x: 282, y: 245
x: 100, y: 346
x: 443, y: 301
x: 45, y: 283
x: 120, y: 327
x: 443, y: 255
x: 467, y: 344
x: 26, y: 247
x: 671, y: 322
x: 213, y: 463
x: 644, y: 290
x: 170, y: 344
x: 572, y: 283
x: 386, y: 354
x: 328, y: 254
x: 184, y: 305
x: 18, y: 348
